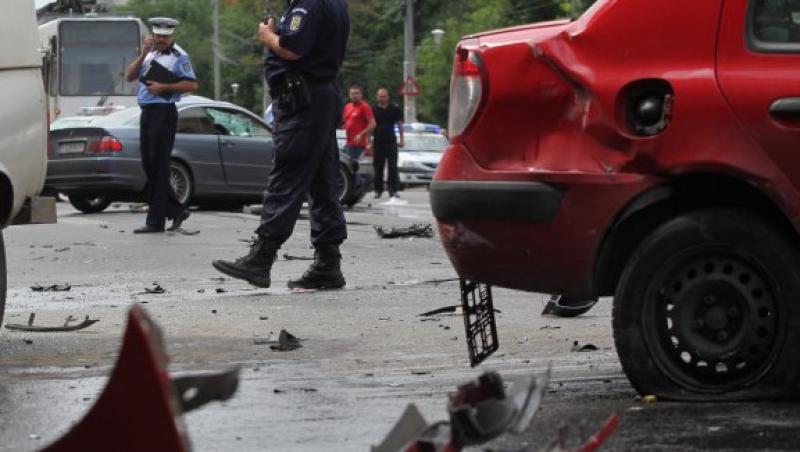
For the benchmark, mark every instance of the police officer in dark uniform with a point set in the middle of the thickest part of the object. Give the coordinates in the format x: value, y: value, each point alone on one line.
x: 158, y: 92
x: 306, y: 50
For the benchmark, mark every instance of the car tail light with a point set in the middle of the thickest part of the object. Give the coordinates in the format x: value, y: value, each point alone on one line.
x: 106, y: 144
x: 466, y: 90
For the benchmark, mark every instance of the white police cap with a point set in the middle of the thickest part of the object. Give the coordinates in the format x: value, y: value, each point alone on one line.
x: 163, y: 25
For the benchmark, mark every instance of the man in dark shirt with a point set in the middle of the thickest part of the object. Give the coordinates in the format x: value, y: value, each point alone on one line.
x: 385, y: 142
x: 306, y: 50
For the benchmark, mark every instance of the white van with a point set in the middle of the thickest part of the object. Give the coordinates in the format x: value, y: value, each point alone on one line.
x: 23, y: 126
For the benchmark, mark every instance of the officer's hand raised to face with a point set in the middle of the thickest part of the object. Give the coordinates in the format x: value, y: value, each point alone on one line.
x: 147, y: 44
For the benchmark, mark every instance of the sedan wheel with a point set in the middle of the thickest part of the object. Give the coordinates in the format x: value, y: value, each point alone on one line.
x: 89, y: 204
x: 344, y: 184
x: 181, y: 181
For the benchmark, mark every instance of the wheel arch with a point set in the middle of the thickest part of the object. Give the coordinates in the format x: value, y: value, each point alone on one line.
x: 661, y: 203
x: 6, y: 199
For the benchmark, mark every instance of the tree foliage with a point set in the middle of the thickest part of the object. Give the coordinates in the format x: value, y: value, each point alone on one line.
x: 375, y: 49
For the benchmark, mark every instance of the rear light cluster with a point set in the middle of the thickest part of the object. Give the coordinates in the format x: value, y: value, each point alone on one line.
x: 466, y: 90
x: 106, y: 144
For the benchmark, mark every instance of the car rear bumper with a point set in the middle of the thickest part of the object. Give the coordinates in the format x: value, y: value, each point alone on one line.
x: 93, y: 176
x: 536, y: 231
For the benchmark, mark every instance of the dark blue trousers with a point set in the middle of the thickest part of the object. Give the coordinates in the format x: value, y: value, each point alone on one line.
x: 306, y: 163
x: 156, y: 138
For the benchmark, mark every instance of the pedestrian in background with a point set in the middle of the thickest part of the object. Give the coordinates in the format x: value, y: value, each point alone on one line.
x: 358, y: 123
x: 388, y: 117
x: 305, y: 52
x: 158, y: 92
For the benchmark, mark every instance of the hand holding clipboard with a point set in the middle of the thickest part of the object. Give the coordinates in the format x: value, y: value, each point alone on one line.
x: 157, y: 73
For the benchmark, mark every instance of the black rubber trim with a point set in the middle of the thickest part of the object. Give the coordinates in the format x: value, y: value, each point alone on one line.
x: 495, y: 201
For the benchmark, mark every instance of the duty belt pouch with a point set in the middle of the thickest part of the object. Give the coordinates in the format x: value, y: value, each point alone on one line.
x: 294, y: 94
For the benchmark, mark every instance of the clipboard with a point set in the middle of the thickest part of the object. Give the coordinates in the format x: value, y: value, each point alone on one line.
x: 158, y: 73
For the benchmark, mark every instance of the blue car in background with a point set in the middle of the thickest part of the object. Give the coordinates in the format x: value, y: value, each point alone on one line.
x: 221, y: 158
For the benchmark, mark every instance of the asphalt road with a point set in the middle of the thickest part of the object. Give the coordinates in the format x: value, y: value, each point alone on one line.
x: 365, y: 356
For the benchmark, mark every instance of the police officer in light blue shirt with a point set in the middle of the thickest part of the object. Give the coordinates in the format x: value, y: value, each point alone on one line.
x: 165, y: 73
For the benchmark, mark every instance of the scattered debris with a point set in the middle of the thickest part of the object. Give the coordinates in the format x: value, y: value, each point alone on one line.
x: 478, y: 411
x: 185, y: 231
x: 84, y: 244
x: 415, y: 230
x: 140, y: 393
x: 156, y: 289
x: 301, y: 290
x: 564, y: 306
x: 213, y: 311
x: 201, y: 291
x: 550, y: 327
x: 221, y: 290
x: 286, y: 342
x: 650, y: 398
x: 30, y: 327
x: 52, y: 288
x: 263, y: 317
x: 219, y: 278
x: 444, y: 310
x: 61, y: 250
x: 28, y: 341
x: 290, y: 257
x: 576, y: 347
x: 384, y: 318
x: 420, y: 372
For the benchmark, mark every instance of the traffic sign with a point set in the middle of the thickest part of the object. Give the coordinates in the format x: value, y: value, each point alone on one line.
x: 410, y: 87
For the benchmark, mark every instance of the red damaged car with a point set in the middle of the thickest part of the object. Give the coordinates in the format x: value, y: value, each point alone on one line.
x: 648, y: 150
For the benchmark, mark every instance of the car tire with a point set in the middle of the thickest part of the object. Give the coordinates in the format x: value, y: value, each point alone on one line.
x: 181, y: 181
x: 704, y: 307
x: 345, y: 186
x: 3, y: 277
x: 89, y: 204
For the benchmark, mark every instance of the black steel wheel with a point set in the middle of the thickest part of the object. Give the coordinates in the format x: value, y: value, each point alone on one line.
x: 181, y: 181
x: 703, y: 307
x: 89, y: 204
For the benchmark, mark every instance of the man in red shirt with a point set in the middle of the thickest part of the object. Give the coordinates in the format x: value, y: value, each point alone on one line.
x: 358, y: 123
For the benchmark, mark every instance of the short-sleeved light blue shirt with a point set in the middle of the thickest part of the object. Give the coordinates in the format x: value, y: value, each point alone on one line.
x: 176, y: 60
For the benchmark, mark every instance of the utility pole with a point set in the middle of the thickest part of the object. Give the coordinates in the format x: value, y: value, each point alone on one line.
x: 409, y: 70
x: 215, y: 48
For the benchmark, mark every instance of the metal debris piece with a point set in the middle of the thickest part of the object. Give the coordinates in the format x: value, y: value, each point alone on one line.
x: 480, y: 327
x: 157, y: 289
x: 576, y: 347
x: 443, y: 310
x: 52, y: 288
x: 420, y: 372
x: 289, y: 257
x: 564, y: 306
x: 185, y: 231
x: 31, y: 328
x: 220, y: 290
x: 479, y: 412
x: 195, y: 391
x: 415, y: 230
x: 550, y: 327
x: 286, y: 342
x: 263, y: 317
x: 61, y: 250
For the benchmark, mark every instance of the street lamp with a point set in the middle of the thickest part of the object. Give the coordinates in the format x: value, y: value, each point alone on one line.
x: 438, y: 34
x: 234, y: 88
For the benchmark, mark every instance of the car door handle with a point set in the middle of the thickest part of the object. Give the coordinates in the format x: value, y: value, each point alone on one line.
x: 787, y: 106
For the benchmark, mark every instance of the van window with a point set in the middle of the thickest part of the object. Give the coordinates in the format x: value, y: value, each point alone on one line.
x: 93, y: 56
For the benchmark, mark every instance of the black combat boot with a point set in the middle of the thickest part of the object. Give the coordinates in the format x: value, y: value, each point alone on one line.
x: 255, y: 266
x: 324, y: 273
